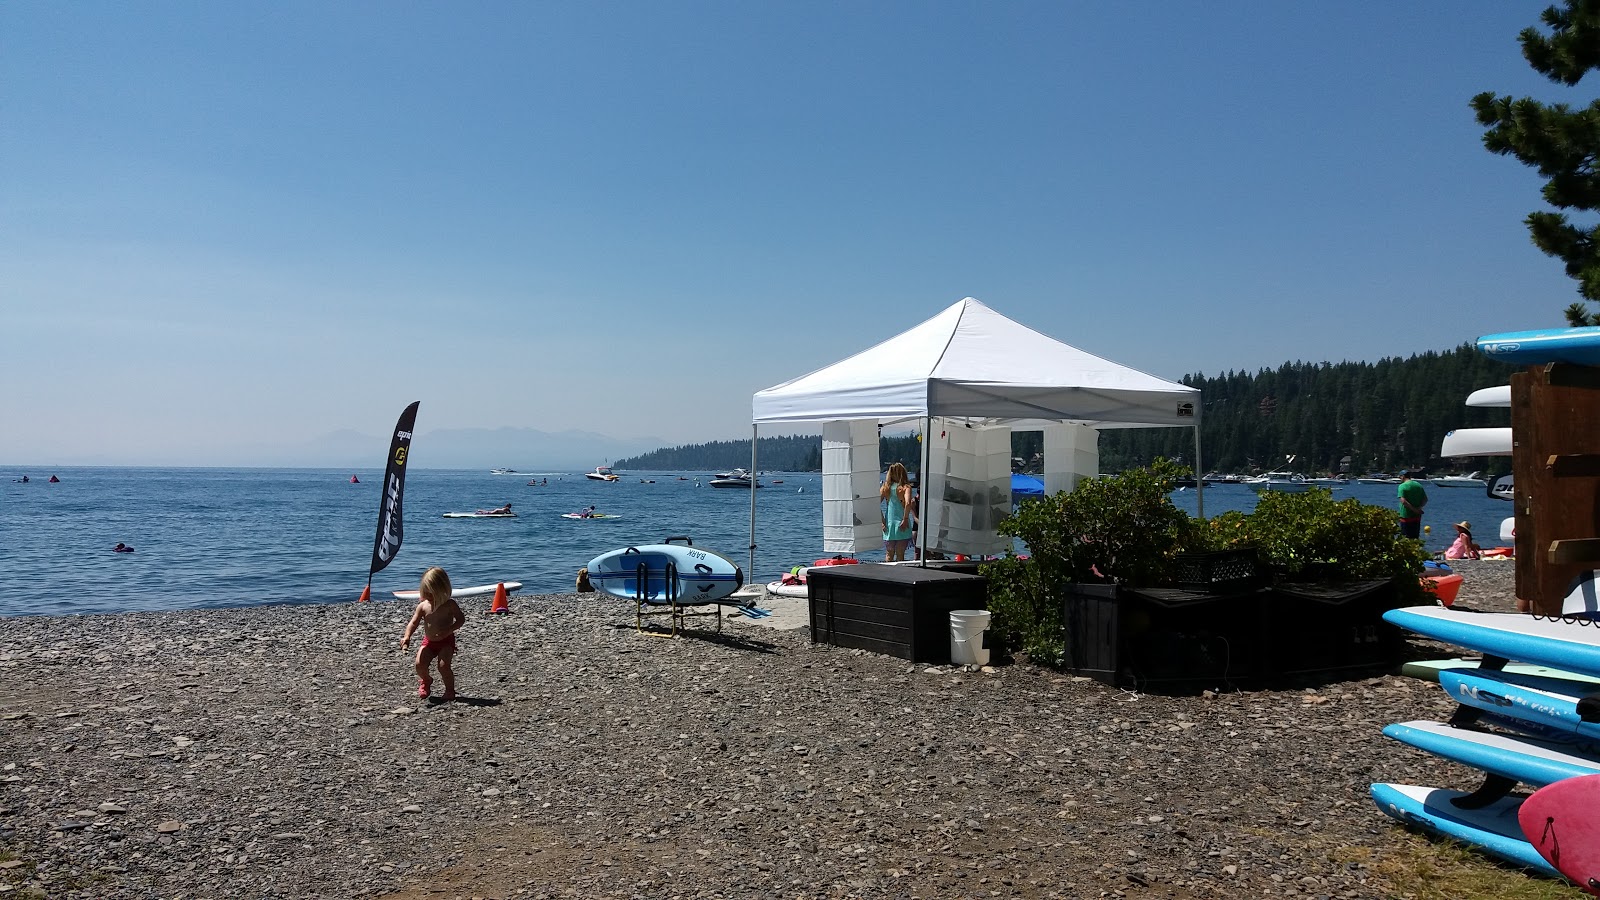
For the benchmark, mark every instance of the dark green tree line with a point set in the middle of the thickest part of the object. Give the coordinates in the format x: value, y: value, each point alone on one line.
x: 1382, y: 416
x: 1352, y: 416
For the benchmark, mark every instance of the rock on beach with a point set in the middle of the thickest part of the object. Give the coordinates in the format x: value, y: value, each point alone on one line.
x: 282, y: 752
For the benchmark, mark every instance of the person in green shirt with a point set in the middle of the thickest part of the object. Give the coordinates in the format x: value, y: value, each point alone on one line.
x: 1412, y: 499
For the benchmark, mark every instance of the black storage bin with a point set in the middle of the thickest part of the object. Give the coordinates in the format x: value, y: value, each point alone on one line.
x: 1168, y: 637
x: 902, y: 611
x: 1220, y: 571
x: 1318, y: 629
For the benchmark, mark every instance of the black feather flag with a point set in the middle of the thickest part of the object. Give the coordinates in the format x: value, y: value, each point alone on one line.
x: 390, y: 527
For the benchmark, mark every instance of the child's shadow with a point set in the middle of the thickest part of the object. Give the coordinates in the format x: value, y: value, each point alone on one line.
x: 465, y: 701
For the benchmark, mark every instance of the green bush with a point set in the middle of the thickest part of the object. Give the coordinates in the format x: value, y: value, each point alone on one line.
x: 1123, y: 528
x: 1312, y: 537
x: 1026, y: 605
x: 1126, y: 529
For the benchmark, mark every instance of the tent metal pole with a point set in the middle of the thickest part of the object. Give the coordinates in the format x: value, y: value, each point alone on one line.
x: 922, y: 497
x: 1199, y: 480
x: 755, y: 432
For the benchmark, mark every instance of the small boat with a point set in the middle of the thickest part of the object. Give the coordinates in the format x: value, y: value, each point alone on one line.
x: 738, y: 478
x: 1331, y: 481
x: 1380, y: 478
x: 502, y: 471
x: 1467, y: 481
x: 1288, y: 482
x: 601, y: 473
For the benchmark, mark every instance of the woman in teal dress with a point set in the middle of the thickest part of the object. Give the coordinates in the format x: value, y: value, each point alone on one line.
x: 895, y: 495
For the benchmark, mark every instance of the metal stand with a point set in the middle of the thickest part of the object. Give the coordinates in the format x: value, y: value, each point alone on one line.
x: 678, y: 614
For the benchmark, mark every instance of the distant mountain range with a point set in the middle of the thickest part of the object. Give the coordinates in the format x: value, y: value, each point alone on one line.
x: 523, y: 449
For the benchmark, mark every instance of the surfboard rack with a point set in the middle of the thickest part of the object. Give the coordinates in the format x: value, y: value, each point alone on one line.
x: 677, y: 613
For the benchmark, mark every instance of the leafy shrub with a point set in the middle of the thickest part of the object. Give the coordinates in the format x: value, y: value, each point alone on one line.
x: 1026, y: 606
x: 1123, y: 528
x: 1312, y: 537
x: 1126, y: 529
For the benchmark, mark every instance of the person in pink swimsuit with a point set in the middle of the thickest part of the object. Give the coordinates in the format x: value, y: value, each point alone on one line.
x: 439, y: 617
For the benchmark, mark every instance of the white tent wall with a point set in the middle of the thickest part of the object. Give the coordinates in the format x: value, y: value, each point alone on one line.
x: 851, y: 522
x: 1071, y: 454
x: 968, y: 487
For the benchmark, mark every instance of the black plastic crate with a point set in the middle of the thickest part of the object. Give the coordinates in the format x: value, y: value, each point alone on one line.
x: 1165, y: 637
x: 1219, y: 570
x: 1320, y: 631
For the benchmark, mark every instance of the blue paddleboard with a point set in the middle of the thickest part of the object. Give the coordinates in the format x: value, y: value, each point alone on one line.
x: 1529, y: 760
x: 1549, y: 702
x: 1547, y: 345
x: 1558, y: 643
x: 671, y: 573
x: 1494, y: 828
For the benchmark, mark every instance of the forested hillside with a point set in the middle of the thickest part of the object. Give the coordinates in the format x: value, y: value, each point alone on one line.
x: 801, y: 453
x: 1382, y: 416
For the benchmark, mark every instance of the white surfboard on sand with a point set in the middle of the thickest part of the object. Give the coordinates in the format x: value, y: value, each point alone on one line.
x: 482, y: 590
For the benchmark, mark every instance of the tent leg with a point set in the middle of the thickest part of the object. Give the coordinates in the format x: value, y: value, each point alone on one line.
x: 922, y: 497
x: 755, y: 432
x: 1199, y: 482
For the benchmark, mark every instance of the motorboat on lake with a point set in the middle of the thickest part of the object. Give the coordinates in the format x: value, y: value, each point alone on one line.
x: 1331, y: 481
x: 502, y: 471
x: 738, y: 478
x: 1287, y: 482
x: 1468, y: 481
x: 601, y: 473
x: 1380, y: 478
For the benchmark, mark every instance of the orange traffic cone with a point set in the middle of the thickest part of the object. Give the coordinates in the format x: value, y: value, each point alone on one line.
x: 500, y: 605
x: 366, y: 594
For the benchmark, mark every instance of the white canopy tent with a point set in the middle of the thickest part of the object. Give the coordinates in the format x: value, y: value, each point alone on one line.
x: 970, y: 362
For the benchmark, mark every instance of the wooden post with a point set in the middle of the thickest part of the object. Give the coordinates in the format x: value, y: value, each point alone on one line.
x: 1555, y: 427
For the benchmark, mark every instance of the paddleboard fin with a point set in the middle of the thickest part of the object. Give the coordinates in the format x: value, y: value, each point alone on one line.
x: 1494, y: 788
x: 1589, y: 708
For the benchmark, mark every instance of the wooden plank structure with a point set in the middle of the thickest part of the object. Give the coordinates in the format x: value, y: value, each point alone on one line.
x: 1555, y: 423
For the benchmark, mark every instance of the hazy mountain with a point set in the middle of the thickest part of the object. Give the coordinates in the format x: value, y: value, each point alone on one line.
x: 523, y: 449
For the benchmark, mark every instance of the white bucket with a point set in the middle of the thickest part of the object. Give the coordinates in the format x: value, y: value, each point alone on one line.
x: 966, y: 637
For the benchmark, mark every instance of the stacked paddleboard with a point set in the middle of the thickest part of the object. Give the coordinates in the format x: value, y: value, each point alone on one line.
x: 1534, y: 727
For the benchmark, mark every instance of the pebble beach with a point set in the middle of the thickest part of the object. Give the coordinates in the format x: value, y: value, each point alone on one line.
x: 283, y: 752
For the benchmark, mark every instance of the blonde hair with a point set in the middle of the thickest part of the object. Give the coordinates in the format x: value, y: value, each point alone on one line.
x: 435, y: 585
x: 896, y: 476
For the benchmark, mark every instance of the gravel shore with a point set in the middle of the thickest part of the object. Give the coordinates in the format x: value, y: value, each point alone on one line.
x: 282, y: 751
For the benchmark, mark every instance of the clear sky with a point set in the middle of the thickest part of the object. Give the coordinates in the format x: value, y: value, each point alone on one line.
x: 225, y: 225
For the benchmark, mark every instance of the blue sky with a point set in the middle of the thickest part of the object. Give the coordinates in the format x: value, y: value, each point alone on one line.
x: 231, y: 226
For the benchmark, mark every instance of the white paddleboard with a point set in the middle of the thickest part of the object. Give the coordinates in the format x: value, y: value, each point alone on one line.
x: 779, y: 589
x: 595, y: 516
x: 671, y: 573
x: 479, y: 515
x: 1477, y: 442
x: 482, y: 590
x: 1493, y: 397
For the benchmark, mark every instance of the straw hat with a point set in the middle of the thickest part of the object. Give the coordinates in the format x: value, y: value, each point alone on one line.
x: 1464, y: 525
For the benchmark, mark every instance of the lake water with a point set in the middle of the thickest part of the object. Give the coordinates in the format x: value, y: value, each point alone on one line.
x: 235, y: 537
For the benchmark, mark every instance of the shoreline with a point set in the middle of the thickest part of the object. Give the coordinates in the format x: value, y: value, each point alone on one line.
x: 258, y: 751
